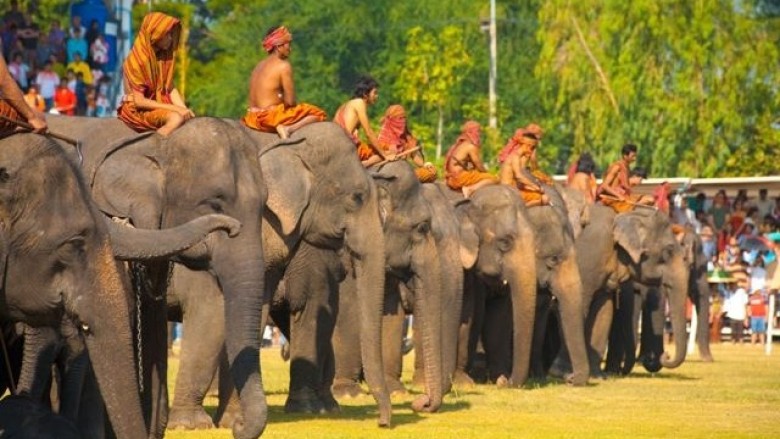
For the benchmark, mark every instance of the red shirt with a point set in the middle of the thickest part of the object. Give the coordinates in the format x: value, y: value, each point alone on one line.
x: 65, y: 101
x: 757, y: 304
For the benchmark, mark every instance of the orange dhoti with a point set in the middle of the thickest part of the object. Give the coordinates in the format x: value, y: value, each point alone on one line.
x: 364, y: 151
x: 530, y: 196
x: 10, y: 112
x: 468, y: 178
x: 621, y: 206
x: 425, y: 174
x: 141, y: 120
x: 542, y: 177
x: 267, y: 119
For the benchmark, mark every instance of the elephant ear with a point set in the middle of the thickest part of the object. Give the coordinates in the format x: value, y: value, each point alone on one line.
x: 469, y: 241
x: 384, y: 196
x: 630, y: 233
x: 5, y: 216
x: 289, y: 181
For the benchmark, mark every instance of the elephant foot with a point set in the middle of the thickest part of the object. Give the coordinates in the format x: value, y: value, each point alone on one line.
x: 462, y: 380
x: 190, y: 418
x: 603, y: 375
x: 304, y: 401
x: 576, y: 379
x: 329, y: 402
x: 395, y: 387
x: 502, y: 382
x: 229, y: 417
x: 346, y: 389
x: 706, y: 357
x: 652, y: 363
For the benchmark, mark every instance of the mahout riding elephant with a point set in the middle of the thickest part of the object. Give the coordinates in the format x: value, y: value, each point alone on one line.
x: 420, y: 234
x: 320, y: 203
x: 636, y: 247
x: 519, y: 250
x: 648, y: 302
x: 204, y: 167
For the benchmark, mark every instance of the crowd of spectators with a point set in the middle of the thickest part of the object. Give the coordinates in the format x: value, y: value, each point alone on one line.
x: 740, y: 239
x: 59, y: 70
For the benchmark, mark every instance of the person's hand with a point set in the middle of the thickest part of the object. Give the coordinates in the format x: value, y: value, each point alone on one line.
x: 391, y: 157
x: 428, y: 165
x: 186, y: 113
x: 39, y: 124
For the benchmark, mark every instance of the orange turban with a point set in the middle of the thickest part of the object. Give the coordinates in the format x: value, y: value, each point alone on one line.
x: 279, y: 36
x: 536, y: 130
x: 511, y: 145
x: 144, y: 71
x: 393, y: 128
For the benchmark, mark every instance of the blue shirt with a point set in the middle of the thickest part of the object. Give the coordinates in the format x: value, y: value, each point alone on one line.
x: 77, y: 45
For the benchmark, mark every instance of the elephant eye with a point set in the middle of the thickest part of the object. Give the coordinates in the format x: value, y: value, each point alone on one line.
x: 215, y: 205
x: 667, y: 253
x: 72, y: 250
x: 505, y: 243
x: 423, y: 228
x: 357, y: 199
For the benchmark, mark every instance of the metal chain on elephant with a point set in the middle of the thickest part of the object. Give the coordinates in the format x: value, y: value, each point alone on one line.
x: 138, y: 273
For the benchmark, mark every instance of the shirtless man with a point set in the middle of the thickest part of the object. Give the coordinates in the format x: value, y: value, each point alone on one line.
x: 516, y: 172
x: 583, y: 177
x: 272, y: 103
x: 353, y: 114
x: 615, y: 189
x: 463, y: 166
x: 14, y: 106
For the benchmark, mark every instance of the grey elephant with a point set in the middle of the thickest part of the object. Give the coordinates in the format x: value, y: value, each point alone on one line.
x: 620, y: 250
x: 419, y: 243
x: 518, y: 251
x: 320, y: 201
x: 204, y: 167
x: 22, y: 417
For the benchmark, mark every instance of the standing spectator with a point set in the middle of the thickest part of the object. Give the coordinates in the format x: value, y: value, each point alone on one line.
x: 57, y: 67
x: 757, y: 310
x: 71, y: 76
x: 14, y: 15
x: 91, y: 102
x: 33, y: 99
x: 47, y: 80
x: 92, y: 32
x: 98, y: 51
x: 76, y: 44
x: 763, y: 204
x: 708, y: 245
x: 738, y: 214
x: 81, y: 95
x: 719, y: 212
x: 736, y: 311
x: 78, y: 65
x: 19, y: 70
x: 76, y: 26
x: 28, y: 34
x: 64, y: 99
x: 57, y: 39
x: 776, y: 211
x: 44, y: 49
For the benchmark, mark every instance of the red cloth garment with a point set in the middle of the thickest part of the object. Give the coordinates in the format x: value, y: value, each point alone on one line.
x: 470, y: 132
x: 661, y: 194
x: 511, y: 145
x: 276, y: 38
x: 536, y: 130
x: 392, y: 133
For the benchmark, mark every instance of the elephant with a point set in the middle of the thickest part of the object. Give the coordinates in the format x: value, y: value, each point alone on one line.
x: 320, y: 202
x: 23, y: 417
x: 618, y: 251
x: 206, y: 166
x: 419, y: 233
x: 519, y: 250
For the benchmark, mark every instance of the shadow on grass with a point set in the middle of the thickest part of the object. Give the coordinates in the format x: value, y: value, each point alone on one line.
x: 672, y: 376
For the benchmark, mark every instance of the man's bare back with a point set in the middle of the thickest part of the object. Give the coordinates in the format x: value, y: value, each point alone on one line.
x: 266, y: 85
x: 350, y: 113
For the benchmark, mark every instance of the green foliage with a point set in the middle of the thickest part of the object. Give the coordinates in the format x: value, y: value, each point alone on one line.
x: 45, y: 11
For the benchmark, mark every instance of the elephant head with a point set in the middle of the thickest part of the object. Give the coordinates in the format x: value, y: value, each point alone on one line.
x: 651, y: 255
x: 57, y: 262
x: 318, y: 192
x: 498, y: 237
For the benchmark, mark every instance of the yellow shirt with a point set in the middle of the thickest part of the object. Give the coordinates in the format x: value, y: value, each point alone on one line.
x: 83, y: 68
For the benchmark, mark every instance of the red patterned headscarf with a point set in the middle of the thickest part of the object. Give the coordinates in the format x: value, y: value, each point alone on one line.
x: 470, y: 132
x: 512, y: 145
x: 279, y: 36
x: 391, y: 134
x: 145, y: 70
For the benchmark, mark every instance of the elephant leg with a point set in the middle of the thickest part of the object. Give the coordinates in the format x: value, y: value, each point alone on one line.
x: 346, y: 343
x: 599, y: 323
x: 392, y: 339
x: 460, y: 376
x: 652, y: 331
x: 497, y: 338
x: 701, y: 298
x: 477, y: 360
x: 202, y: 341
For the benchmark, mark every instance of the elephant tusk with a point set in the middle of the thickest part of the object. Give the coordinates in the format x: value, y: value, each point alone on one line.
x: 505, y: 282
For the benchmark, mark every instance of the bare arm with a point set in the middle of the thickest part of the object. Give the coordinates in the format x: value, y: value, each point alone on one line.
x: 13, y: 95
x: 372, y: 140
x: 177, y: 100
x: 473, y: 155
x: 609, y: 180
x: 288, y: 87
x: 519, y: 169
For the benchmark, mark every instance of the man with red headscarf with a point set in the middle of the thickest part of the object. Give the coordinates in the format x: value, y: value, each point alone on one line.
x: 395, y: 137
x: 14, y: 106
x: 151, y: 102
x: 272, y: 103
x: 515, y: 169
x: 463, y: 165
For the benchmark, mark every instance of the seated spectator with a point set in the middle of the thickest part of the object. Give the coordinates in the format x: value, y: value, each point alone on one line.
x: 98, y: 51
x: 28, y: 34
x: 64, y: 99
x: 33, y: 99
x: 56, y: 39
x: 92, y: 32
x: 102, y: 105
x: 71, y: 76
x: 76, y: 44
x: 76, y: 26
x: 19, y: 70
x: 47, y: 81
x: 78, y: 65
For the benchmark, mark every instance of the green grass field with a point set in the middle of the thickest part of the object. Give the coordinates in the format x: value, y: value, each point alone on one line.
x: 737, y: 396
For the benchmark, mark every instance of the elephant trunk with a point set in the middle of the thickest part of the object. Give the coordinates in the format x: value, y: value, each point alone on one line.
x: 520, y: 274
x: 567, y: 287
x: 136, y: 244
x: 365, y: 241
x: 239, y: 267
x: 106, y: 326
x: 451, y: 308
x: 676, y: 287
x: 428, y: 301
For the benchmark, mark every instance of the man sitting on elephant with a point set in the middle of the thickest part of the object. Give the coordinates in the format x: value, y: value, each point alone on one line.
x: 273, y: 107
x: 395, y: 137
x: 13, y: 105
x: 463, y: 166
x: 151, y: 102
x: 516, y: 171
x: 615, y: 189
x: 353, y: 113
x: 582, y: 177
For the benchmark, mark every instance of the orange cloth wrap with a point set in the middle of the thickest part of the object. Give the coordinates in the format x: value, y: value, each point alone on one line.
x: 425, y: 175
x: 620, y: 206
x: 268, y: 119
x: 530, y: 196
x: 468, y: 178
x: 149, y: 75
x: 542, y: 177
x: 10, y: 112
x: 364, y: 151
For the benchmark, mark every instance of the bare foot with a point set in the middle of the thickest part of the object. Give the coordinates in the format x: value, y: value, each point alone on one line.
x: 283, y: 132
x: 466, y: 191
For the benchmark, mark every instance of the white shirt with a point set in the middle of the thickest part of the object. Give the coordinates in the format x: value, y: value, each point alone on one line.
x: 47, y: 83
x: 735, y: 305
